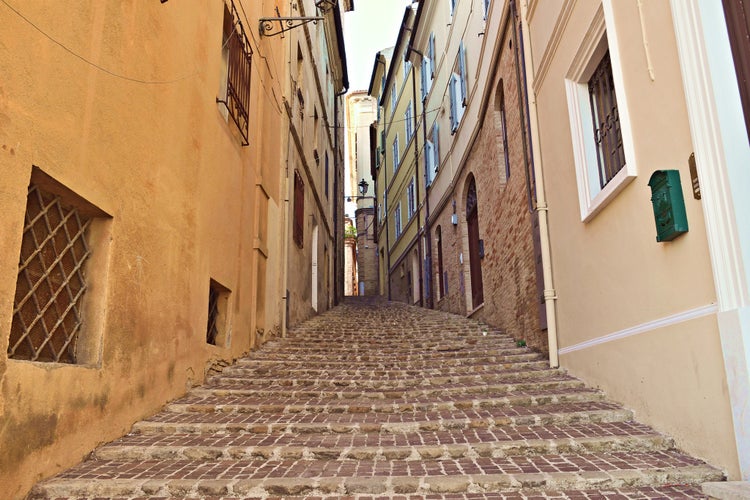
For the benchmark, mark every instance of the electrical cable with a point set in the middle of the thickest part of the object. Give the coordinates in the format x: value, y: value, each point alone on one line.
x: 93, y: 64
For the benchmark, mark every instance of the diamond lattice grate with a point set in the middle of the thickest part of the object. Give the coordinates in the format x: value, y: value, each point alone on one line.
x: 51, y: 281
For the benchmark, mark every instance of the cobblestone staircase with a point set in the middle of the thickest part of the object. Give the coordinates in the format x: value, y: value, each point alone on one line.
x: 377, y: 399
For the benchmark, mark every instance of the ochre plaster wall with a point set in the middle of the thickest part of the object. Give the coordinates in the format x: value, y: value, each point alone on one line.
x: 181, y: 193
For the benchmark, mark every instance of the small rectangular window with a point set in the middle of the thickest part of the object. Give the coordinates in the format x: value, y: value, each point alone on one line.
x: 216, y: 324
x: 55, y: 276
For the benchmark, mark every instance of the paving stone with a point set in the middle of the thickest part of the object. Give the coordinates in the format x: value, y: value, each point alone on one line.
x: 382, y: 400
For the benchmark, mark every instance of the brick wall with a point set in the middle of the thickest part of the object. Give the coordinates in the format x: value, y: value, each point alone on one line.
x: 367, y: 252
x: 511, y: 299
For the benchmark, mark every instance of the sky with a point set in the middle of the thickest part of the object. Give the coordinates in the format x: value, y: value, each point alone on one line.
x: 372, y: 25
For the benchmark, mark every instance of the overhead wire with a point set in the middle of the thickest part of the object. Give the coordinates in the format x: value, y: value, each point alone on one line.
x: 93, y: 64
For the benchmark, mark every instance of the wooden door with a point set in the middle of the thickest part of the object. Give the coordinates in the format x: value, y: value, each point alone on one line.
x: 475, y: 264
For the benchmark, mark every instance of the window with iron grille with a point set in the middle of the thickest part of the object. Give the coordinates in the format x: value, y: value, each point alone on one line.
x: 609, y: 150
x: 236, y: 55
x: 218, y: 297
x: 52, y: 283
x: 299, y: 209
x: 601, y: 139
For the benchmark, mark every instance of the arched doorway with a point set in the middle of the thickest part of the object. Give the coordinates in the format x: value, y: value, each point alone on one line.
x: 415, y: 298
x: 475, y: 265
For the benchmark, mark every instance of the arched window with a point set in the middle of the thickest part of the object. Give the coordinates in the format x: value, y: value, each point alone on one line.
x: 500, y: 108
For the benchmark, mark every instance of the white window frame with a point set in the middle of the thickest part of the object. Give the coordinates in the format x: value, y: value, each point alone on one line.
x: 397, y: 220
x: 394, y: 98
x: 396, y: 154
x: 409, y: 118
x: 411, y: 198
x: 432, y: 153
x: 600, y: 36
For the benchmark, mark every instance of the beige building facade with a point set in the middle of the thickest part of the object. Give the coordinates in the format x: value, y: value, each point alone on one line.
x: 360, y: 116
x: 149, y: 152
x: 649, y: 277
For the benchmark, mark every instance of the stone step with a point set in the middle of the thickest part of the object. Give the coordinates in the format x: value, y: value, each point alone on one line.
x: 385, y: 350
x: 672, y: 492
x: 433, y: 402
x: 248, y: 378
x: 262, y: 366
x: 198, y: 479
x: 421, y: 390
x: 451, y: 444
x: 336, y: 359
x: 306, y: 423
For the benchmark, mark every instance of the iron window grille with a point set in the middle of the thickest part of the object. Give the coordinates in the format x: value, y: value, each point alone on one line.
x: 51, y: 284
x: 299, y: 209
x: 212, y: 327
x: 610, y: 154
x: 238, y: 53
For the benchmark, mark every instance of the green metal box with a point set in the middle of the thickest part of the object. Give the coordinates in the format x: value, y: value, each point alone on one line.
x: 668, y: 204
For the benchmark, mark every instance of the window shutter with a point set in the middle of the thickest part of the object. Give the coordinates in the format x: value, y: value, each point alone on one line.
x: 425, y: 69
x: 453, y: 97
x: 462, y: 70
x: 429, y: 158
x: 431, y: 52
x: 436, y: 146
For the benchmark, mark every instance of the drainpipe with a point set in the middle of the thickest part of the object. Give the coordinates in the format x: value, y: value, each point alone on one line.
x: 426, y: 232
x: 338, y: 290
x: 416, y: 184
x: 550, y: 296
x: 385, y: 200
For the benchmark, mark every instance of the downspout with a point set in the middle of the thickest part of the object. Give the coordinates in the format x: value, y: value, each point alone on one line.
x: 385, y: 201
x: 550, y: 296
x: 416, y: 184
x: 338, y: 241
x: 285, y: 218
x: 427, y: 232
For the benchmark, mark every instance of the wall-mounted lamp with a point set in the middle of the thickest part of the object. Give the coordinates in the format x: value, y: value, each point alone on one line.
x: 363, y: 185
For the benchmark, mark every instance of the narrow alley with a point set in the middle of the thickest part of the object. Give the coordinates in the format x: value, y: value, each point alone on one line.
x: 381, y: 399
